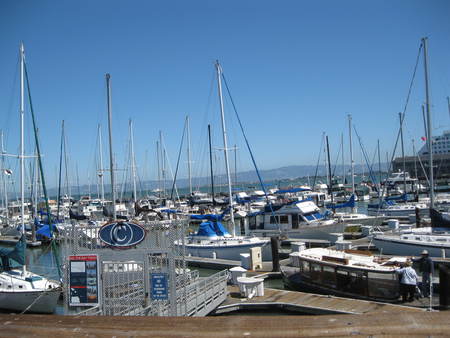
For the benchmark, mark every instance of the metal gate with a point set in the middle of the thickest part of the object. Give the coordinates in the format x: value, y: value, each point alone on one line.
x: 123, y: 288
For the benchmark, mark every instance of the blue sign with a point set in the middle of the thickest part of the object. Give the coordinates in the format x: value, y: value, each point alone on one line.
x: 159, y: 286
x: 121, y: 235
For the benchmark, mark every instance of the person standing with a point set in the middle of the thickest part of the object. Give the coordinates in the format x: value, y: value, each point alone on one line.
x: 408, y: 281
x: 426, y: 267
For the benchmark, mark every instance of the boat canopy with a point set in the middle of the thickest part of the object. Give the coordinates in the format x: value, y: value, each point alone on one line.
x: 349, y: 204
x: 212, y: 229
x: 403, y: 197
x: 17, y: 253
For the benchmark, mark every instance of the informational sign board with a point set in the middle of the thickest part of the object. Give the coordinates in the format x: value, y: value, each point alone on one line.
x: 159, y: 290
x: 83, y: 280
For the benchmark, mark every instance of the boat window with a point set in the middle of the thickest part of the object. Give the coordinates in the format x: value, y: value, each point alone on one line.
x: 417, y: 238
x: 383, y: 285
x: 316, y: 271
x: 358, y: 282
x: 329, y: 276
x: 342, y: 279
x: 441, y: 240
x: 274, y: 219
x: 252, y: 223
x: 305, y: 267
x: 284, y: 219
x: 294, y: 218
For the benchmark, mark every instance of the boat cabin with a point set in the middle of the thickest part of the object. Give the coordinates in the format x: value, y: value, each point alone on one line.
x: 286, y: 217
x: 347, y: 273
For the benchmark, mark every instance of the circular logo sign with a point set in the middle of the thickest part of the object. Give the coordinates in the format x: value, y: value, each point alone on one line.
x: 121, y: 234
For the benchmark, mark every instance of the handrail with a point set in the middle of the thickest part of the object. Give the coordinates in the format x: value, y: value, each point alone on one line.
x: 88, y: 311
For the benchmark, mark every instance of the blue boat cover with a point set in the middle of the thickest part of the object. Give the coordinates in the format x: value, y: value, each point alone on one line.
x: 403, y: 197
x: 349, y: 204
x: 211, y: 229
x: 171, y: 211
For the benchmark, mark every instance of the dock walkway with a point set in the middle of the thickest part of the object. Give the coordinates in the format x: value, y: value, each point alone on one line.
x: 306, y: 303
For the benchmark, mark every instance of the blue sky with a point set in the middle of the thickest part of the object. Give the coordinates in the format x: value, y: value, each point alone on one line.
x: 295, y: 68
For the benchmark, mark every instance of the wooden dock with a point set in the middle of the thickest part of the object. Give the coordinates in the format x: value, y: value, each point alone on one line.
x: 12, y: 240
x: 306, y: 303
x: 400, y: 324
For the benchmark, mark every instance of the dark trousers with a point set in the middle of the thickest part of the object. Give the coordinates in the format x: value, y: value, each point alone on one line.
x: 407, y: 291
x: 426, y: 284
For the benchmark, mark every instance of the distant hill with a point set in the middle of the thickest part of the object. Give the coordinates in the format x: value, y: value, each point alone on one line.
x: 293, y: 172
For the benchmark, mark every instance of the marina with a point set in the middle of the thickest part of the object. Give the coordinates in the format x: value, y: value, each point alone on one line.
x: 241, y: 169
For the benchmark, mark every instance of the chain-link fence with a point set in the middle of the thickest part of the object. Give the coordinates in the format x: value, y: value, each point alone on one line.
x: 126, y: 276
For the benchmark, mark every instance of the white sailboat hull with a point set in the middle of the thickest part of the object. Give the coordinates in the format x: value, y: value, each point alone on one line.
x: 44, y: 301
x: 230, y: 252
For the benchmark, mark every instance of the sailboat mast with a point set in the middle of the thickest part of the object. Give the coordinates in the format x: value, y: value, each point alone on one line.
x: 330, y: 181
x: 163, y: 164
x: 133, y: 162
x: 403, y: 152
x: 352, y: 169
x: 379, y: 167
x: 448, y: 105
x: 100, y: 173
x: 22, y: 145
x: 211, y: 166
x: 5, y: 200
x: 158, y: 161
x: 343, y: 163
x: 111, y: 155
x: 429, y: 127
x: 225, y: 147
x: 189, y: 154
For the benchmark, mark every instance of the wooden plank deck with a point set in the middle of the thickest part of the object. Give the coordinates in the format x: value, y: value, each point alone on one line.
x: 400, y: 324
x: 307, y: 303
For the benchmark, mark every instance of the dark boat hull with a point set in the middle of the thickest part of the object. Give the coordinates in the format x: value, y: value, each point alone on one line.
x: 293, y: 280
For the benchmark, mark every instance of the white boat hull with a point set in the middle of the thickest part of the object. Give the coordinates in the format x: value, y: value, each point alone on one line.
x: 230, y: 252
x: 326, y: 230
x: 388, y: 245
x: 44, y: 301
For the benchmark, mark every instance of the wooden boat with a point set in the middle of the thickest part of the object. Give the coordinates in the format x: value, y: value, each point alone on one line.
x: 344, y: 273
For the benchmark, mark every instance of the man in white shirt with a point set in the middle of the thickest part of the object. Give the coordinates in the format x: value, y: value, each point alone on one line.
x: 408, y: 282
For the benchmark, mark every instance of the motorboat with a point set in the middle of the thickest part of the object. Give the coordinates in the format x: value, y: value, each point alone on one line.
x: 344, y: 273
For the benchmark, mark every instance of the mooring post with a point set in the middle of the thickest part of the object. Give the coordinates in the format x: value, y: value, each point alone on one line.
x: 444, y: 282
x: 417, y: 210
x: 275, y: 257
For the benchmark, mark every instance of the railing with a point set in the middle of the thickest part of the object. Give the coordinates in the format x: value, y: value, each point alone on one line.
x: 205, y: 292
x: 93, y: 311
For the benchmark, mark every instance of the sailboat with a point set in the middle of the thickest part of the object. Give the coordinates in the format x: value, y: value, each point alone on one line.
x: 434, y: 239
x: 20, y: 289
x: 212, y: 239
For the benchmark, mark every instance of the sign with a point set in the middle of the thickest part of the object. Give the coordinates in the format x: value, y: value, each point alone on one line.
x: 121, y: 235
x: 83, y: 280
x: 159, y: 286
